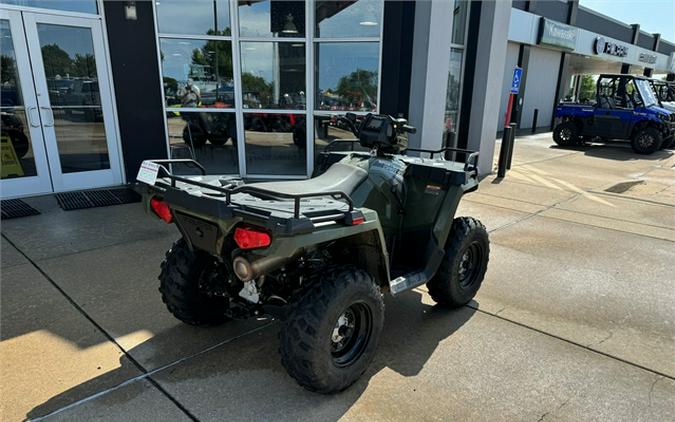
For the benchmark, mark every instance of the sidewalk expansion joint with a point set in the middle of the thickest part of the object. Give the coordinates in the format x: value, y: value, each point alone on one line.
x: 574, y: 343
x: 145, y: 373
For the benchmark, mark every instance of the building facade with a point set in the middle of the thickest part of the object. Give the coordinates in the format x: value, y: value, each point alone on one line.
x: 91, y: 88
x: 557, y: 42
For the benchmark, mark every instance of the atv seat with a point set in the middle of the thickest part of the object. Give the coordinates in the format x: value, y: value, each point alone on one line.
x: 338, y: 177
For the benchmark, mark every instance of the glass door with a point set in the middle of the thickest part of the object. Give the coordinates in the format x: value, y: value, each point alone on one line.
x: 24, y: 166
x: 74, y: 100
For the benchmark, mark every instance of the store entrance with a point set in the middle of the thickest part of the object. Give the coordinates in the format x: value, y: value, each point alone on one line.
x: 56, y: 106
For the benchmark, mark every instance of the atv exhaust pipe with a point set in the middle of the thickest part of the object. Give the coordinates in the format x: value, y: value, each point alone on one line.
x: 247, y: 270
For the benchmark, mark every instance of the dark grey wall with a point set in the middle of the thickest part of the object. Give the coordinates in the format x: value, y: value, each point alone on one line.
x: 646, y: 40
x: 397, y: 45
x: 595, y: 23
x: 133, y: 53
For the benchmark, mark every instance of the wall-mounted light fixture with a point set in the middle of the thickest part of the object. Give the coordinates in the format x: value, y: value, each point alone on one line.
x: 130, y: 11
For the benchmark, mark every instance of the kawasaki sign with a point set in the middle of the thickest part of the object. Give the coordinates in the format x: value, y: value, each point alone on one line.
x: 557, y: 34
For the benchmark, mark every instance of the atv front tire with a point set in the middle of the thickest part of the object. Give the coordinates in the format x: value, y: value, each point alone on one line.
x: 464, y: 265
x: 646, y: 141
x: 182, y: 272
x: 330, y: 336
x: 566, y: 134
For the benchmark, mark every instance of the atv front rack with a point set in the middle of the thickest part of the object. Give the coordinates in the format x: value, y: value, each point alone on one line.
x: 227, y: 192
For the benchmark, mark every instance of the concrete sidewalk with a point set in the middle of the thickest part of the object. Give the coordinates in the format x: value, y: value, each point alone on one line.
x: 575, y: 320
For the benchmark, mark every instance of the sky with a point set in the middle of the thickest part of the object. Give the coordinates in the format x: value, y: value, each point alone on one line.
x: 654, y: 16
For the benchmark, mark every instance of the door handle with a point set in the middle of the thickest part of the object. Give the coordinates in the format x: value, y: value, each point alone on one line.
x: 33, y: 116
x: 50, y: 122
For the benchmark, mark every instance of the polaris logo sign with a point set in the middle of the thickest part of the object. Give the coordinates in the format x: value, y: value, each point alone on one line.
x: 602, y: 46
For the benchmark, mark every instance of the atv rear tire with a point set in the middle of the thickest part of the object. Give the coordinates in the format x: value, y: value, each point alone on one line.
x: 646, y: 141
x: 330, y: 336
x: 566, y: 134
x: 463, y: 268
x: 182, y: 272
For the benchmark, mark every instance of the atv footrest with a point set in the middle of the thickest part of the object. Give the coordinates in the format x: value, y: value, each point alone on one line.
x: 407, y: 282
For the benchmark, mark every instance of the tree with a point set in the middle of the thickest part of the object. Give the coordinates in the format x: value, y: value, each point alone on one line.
x: 256, y: 87
x: 56, y: 60
x: 359, y: 87
x: 587, y: 88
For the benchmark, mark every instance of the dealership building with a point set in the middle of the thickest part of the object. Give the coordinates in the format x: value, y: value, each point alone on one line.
x: 91, y: 88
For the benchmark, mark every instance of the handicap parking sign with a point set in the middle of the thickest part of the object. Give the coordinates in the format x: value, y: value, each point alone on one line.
x: 515, y: 83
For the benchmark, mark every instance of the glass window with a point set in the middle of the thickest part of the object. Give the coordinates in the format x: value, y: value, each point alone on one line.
x: 14, y: 128
x: 197, y: 73
x: 453, y: 99
x: 275, y: 143
x: 348, y: 19
x: 82, y: 6
x: 196, y: 17
x: 273, y: 74
x: 328, y: 129
x: 208, y: 137
x: 347, y: 76
x: 459, y: 21
x: 272, y: 18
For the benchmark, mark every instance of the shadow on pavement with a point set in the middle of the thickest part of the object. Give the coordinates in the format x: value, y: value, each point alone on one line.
x: 244, y: 379
x: 615, y: 150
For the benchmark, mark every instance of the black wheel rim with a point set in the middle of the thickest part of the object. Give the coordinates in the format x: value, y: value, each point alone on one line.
x: 351, y: 334
x: 645, y: 140
x: 469, y: 265
x: 566, y: 134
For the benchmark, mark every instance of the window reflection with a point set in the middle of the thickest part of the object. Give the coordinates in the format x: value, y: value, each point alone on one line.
x: 275, y: 143
x: 209, y: 138
x: 80, y: 136
x: 453, y: 99
x: 459, y: 21
x: 349, y: 19
x: 273, y: 75
x: 196, y: 17
x: 270, y: 18
x: 197, y: 73
x: 328, y: 129
x: 18, y: 160
x: 82, y: 6
x: 347, y: 76
x: 70, y: 66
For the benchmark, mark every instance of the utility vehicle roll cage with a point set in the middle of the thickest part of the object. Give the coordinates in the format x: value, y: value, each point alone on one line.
x: 228, y: 192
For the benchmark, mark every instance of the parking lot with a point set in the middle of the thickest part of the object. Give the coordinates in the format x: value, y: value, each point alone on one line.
x: 575, y: 320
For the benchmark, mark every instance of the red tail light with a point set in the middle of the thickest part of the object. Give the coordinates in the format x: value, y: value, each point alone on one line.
x: 250, y: 238
x: 162, y: 210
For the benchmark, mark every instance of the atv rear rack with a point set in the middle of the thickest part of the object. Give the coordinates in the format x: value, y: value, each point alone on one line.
x: 247, y: 189
x: 470, y: 164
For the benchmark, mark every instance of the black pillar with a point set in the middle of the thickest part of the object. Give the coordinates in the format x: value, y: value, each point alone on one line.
x: 397, y: 45
x: 670, y: 77
x: 523, y: 62
x: 625, y: 68
x: 135, y: 70
x: 648, y: 72
x: 636, y: 33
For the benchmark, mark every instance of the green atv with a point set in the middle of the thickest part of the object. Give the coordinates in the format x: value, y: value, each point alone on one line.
x: 319, y: 253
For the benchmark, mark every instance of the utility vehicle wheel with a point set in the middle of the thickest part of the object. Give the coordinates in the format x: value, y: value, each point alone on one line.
x: 463, y: 268
x: 646, y: 141
x: 182, y: 284
x: 566, y: 134
x: 330, y: 337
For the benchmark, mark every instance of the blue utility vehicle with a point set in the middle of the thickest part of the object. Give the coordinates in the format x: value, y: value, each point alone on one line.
x: 626, y: 108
